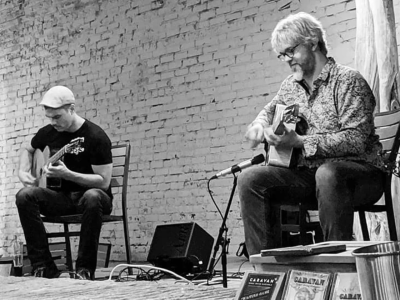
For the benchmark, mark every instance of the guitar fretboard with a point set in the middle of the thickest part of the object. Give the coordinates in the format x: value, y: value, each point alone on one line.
x: 60, y: 153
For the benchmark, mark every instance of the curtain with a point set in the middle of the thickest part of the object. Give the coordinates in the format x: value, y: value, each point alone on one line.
x: 376, y: 57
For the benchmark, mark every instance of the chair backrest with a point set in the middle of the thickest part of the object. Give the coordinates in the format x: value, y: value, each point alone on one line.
x: 119, y: 180
x: 388, y: 129
x: 387, y: 126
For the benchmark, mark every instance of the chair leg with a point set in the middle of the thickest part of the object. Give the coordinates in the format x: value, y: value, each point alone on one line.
x: 303, y: 224
x: 363, y: 223
x: 107, y: 262
x: 390, y: 217
x: 278, y: 229
x: 127, y: 243
x: 68, y: 248
x: 319, y: 236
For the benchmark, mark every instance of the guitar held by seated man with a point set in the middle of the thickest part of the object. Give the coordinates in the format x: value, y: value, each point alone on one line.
x: 285, y: 118
x: 42, y: 159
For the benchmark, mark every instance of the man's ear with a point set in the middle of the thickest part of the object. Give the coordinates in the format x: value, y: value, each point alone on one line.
x: 314, y: 46
x: 72, y: 108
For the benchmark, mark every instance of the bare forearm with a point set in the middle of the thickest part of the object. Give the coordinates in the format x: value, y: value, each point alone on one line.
x: 100, y: 178
x: 88, y: 180
x: 25, y: 161
x: 25, y: 167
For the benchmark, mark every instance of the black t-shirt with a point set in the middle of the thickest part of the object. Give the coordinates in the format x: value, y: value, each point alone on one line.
x: 94, y: 149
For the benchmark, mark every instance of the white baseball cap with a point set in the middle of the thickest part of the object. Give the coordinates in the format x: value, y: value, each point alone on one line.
x: 58, y: 96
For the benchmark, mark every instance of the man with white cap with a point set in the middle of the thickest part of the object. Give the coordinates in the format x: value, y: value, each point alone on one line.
x: 85, y: 174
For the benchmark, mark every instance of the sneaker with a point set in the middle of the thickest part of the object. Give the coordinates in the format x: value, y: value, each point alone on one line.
x: 44, y: 272
x: 83, y: 274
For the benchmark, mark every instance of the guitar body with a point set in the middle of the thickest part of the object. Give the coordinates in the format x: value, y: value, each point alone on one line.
x: 281, y: 156
x: 40, y: 159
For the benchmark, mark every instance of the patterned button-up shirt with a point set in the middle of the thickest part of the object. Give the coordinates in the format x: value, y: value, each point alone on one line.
x: 338, y: 110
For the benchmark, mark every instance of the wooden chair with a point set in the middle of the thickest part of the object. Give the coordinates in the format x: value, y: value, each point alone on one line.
x: 119, y: 184
x: 388, y: 129
x: 387, y: 126
x: 308, y: 230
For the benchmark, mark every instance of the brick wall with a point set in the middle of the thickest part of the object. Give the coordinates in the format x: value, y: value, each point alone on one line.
x: 178, y: 79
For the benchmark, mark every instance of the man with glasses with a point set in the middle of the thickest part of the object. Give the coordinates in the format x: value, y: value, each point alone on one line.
x: 338, y: 166
x: 83, y: 187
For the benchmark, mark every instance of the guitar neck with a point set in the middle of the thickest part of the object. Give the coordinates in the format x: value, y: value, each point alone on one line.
x: 56, y: 157
x: 282, y: 156
x: 60, y: 153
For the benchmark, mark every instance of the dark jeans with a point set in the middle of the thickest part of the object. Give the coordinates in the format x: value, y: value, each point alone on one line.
x: 337, y: 187
x: 34, y: 201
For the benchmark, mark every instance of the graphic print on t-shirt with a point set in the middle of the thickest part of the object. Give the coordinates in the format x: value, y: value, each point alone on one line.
x: 78, y: 149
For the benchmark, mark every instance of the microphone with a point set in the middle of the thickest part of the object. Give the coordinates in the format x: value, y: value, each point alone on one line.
x: 241, y: 166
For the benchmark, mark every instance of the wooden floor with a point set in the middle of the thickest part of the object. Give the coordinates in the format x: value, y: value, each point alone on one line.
x: 129, y: 288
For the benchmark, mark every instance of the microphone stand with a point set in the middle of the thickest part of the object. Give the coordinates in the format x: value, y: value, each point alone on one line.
x: 221, y: 240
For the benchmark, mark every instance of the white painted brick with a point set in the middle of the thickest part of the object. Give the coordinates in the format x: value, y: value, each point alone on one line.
x: 180, y: 83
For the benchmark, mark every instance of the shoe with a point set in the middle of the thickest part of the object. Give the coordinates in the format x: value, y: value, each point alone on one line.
x: 83, y: 274
x: 39, y: 272
x: 46, y: 272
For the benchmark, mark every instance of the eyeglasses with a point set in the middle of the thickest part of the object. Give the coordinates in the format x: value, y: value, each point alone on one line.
x: 289, y: 53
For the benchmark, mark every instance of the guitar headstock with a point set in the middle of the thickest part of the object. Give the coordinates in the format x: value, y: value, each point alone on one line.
x: 290, y: 113
x: 74, y: 144
x: 284, y: 115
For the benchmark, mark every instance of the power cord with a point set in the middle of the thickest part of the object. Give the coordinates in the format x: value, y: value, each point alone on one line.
x: 145, y: 274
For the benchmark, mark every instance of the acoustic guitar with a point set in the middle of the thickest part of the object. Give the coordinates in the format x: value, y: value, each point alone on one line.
x: 42, y: 159
x: 283, y: 156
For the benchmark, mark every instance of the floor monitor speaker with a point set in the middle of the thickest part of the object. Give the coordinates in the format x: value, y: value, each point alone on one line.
x: 183, y: 248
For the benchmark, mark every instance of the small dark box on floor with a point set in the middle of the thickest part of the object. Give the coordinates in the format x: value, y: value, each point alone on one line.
x: 182, y: 248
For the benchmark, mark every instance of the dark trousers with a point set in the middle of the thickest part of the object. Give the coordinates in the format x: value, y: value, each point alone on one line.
x: 34, y: 201
x: 337, y: 188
